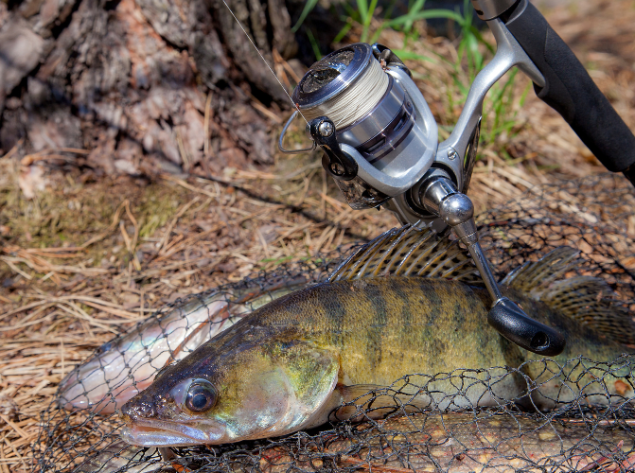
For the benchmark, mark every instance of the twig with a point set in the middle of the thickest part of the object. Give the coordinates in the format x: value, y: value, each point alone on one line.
x: 208, y: 133
x: 168, y: 230
x: 15, y: 268
x: 266, y: 112
x: 184, y: 184
x: 15, y: 427
x: 111, y: 227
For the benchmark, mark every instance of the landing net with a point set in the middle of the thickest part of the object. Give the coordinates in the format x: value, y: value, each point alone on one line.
x: 578, y: 433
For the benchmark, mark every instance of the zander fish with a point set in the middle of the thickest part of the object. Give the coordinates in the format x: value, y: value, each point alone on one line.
x: 128, y: 364
x: 289, y: 364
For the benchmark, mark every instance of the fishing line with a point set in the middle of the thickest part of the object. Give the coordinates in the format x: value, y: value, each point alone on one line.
x: 356, y: 100
x: 265, y: 61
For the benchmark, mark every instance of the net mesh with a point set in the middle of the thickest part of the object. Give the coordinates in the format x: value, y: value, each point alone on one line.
x: 80, y: 431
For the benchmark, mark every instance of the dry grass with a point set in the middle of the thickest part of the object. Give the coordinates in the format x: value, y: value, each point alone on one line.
x: 85, y: 259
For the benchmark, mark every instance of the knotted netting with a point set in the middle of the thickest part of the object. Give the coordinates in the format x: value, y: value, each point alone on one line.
x: 588, y: 425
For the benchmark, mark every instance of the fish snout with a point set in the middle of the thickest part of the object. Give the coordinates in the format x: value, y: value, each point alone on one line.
x: 139, y: 409
x: 70, y: 391
x: 73, y: 394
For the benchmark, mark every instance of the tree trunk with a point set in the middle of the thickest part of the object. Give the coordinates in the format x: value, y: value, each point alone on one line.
x: 143, y: 85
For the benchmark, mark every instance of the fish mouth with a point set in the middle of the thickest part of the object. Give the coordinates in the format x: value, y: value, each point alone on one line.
x: 160, y: 433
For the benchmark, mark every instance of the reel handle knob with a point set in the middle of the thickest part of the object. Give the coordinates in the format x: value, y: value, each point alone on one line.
x: 505, y: 315
x: 513, y: 324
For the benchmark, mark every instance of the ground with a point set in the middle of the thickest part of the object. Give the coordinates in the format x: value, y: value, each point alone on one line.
x: 84, y: 258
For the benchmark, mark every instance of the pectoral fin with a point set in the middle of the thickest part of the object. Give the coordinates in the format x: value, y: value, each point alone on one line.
x: 312, y: 373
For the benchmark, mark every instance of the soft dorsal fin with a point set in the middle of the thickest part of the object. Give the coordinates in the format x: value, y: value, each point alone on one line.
x: 408, y: 252
x: 533, y: 278
x: 586, y: 299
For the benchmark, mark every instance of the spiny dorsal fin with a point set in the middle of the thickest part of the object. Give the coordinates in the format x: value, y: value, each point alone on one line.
x: 586, y: 299
x: 408, y: 252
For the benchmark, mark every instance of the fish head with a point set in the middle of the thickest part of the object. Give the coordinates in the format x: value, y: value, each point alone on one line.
x: 228, y: 392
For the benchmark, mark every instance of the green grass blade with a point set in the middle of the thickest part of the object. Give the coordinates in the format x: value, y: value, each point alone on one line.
x: 424, y: 15
x: 314, y: 45
x: 413, y: 10
x: 343, y: 32
x: 475, y: 31
x: 368, y: 19
x: 308, y: 8
x: 362, y: 8
x: 405, y: 55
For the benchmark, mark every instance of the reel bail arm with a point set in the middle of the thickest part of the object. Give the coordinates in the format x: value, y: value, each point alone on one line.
x: 439, y: 196
x: 337, y: 163
x: 388, y: 59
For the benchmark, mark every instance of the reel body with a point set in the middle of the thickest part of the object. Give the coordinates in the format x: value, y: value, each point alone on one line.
x: 387, y: 128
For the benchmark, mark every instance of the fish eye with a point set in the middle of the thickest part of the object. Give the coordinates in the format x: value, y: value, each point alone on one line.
x: 201, y: 396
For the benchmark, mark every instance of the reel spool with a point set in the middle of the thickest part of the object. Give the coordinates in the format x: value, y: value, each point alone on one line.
x: 365, y: 111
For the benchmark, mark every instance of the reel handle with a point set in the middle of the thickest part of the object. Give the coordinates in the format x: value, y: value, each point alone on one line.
x: 570, y: 90
x: 509, y: 319
x: 439, y: 195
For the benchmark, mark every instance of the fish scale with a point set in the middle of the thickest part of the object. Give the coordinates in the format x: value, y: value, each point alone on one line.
x: 384, y: 316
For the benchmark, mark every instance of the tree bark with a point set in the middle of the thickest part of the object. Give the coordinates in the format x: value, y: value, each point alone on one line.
x: 132, y: 81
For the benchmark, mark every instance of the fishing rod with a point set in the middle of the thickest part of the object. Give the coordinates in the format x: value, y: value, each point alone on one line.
x: 381, y: 146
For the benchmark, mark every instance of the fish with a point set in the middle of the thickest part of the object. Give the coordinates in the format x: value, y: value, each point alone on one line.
x: 126, y: 365
x: 483, y: 442
x: 292, y: 364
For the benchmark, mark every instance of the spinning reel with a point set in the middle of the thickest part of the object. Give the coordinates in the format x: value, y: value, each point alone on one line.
x: 380, y: 138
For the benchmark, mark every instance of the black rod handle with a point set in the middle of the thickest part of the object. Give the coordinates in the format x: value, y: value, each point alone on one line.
x: 570, y: 90
x: 516, y: 326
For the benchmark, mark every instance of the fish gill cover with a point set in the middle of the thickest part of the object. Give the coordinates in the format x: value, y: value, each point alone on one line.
x: 81, y: 433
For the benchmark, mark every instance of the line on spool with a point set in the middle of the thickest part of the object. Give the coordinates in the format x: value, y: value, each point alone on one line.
x: 356, y: 100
